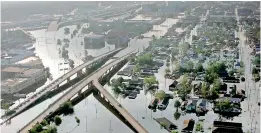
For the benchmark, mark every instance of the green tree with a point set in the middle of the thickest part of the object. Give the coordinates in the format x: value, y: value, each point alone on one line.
x: 161, y: 94
x: 167, y: 70
x: 51, y: 129
x: 199, y: 68
x: 199, y: 127
x: 57, y: 120
x: 256, y: 60
x: 189, y: 66
x: 136, y: 69
x: 177, y: 104
x: 66, y: 31
x: 177, y: 115
x: 117, y: 83
x: 71, y: 63
x: 243, y: 79
x: 217, y: 84
x: 44, y: 123
x: 198, y: 50
x: 77, y: 120
x: 167, y: 64
x: 224, y: 104
x: 210, y: 77
x: 185, y: 86
x: 213, y: 94
x: 5, y: 106
x: 150, y: 81
x: 145, y: 59
x: 231, y: 73
x: 242, y: 64
x: 256, y: 77
x: 67, y: 108
x: 59, y: 42
x: 204, y: 89
x: 184, y: 48
x: 154, y: 38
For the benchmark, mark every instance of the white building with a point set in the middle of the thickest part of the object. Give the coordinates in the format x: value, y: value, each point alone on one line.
x: 22, y: 80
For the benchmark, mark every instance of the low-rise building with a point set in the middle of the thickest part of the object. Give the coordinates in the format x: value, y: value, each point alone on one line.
x: 226, y: 127
x: 21, y: 79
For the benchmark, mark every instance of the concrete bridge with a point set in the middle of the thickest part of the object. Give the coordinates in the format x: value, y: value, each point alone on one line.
x: 93, y: 83
x: 54, y: 85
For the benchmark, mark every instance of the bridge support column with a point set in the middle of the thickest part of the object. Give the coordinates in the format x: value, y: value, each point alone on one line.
x: 114, y: 111
x: 79, y: 73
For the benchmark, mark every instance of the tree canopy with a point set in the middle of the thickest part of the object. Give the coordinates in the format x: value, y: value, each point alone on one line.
x: 160, y: 94
x: 149, y: 81
x: 177, y: 104
x: 145, y: 59
x: 57, y: 120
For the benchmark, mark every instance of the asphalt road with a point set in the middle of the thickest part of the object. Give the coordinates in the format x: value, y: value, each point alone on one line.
x: 250, y: 108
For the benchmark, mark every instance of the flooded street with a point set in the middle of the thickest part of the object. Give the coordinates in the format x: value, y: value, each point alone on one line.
x: 48, y: 50
x: 94, y: 117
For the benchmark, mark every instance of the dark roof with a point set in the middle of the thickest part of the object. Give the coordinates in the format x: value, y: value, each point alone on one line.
x: 237, y: 64
x: 174, y: 84
x: 169, y: 125
x: 188, y: 125
x: 202, y: 102
x: 223, y: 127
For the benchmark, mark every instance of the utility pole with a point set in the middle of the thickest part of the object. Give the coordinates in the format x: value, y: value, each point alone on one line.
x: 96, y: 110
x: 110, y: 129
x: 252, y: 119
x: 146, y: 104
x: 137, y: 117
x: 86, y: 124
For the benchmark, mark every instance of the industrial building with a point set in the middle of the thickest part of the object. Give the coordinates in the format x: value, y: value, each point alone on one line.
x: 15, y: 79
x: 94, y: 41
x: 119, y: 38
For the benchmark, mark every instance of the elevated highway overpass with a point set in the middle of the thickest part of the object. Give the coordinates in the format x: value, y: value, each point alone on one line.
x: 55, y: 83
x: 92, y: 82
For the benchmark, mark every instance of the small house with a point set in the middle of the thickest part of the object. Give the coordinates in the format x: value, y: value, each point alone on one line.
x: 172, y: 87
x: 237, y: 65
x: 227, y: 127
x: 191, y: 106
x: 188, y: 126
x: 202, y: 104
x: 168, y: 125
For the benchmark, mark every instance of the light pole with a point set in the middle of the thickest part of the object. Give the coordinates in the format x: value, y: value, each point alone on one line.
x: 110, y: 129
x: 86, y: 124
x: 96, y: 110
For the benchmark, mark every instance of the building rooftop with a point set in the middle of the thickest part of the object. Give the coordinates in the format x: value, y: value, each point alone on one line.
x: 12, y: 82
x: 28, y: 60
x: 53, y: 26
x: 29, y: 72
x: 13, y: 69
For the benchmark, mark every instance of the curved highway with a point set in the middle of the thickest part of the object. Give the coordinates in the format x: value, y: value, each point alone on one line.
x: 77, y: 88
x: 54, y: 84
